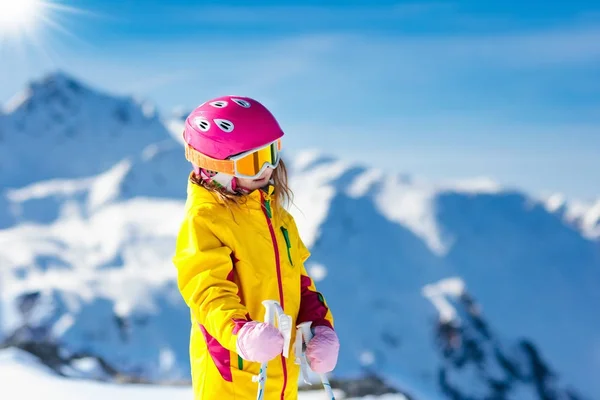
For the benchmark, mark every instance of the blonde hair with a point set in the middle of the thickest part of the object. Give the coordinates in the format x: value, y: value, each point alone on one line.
x: 282, y: 194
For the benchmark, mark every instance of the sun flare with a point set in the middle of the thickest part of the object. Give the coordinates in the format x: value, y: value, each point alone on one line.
x: 20, y: 16
x: 24, y: 22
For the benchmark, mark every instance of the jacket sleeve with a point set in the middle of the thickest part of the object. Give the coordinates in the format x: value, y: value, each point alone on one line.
x: 313, y: 306
x: 204, y: 270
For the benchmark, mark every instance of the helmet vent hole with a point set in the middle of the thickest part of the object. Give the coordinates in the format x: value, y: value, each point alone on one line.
x: 202, y: 124
x: 224, y: 124
x: 241, y: 102
x: 218, y: 103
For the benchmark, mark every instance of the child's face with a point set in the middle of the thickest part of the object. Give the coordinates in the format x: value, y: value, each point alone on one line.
x: 253, y: 184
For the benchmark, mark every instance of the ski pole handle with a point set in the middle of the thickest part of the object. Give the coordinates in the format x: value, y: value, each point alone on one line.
x: 306, y: 331
x: 270, y: 307
x: 308, y: 335
x: 270, y: 310
x: 284, y: 323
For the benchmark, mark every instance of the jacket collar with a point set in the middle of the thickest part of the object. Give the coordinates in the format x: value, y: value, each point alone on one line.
x: 199, y: 195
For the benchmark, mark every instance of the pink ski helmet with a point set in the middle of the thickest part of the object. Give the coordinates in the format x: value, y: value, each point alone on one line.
x: 227, y: 126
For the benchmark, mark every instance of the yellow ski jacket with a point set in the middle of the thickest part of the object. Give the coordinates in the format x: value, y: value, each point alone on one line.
x: 229, y: 259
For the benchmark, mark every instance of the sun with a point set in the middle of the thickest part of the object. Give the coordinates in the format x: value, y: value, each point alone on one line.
x: 29, y: 22
x: 18, y: 17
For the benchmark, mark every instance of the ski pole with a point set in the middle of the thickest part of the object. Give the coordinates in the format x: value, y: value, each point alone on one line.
x: 307, y: 335
x: 284, y: 323
x: 262, y: 375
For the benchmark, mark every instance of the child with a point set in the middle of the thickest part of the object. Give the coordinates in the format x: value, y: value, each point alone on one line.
x: 237, y: 247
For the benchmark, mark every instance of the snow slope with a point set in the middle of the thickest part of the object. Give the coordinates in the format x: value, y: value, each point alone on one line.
x: 18, y: 370
x: 86, y: 242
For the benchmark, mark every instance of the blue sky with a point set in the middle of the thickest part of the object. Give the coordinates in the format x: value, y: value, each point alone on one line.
x: 507, y: 90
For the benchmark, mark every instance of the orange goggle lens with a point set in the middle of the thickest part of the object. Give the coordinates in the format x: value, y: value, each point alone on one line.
x: 252, y: 163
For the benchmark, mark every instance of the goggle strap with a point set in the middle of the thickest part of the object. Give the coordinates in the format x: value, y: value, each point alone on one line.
x: 206, y: 162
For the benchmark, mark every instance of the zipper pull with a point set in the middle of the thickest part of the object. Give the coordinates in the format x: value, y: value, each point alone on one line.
x: 267, y: 204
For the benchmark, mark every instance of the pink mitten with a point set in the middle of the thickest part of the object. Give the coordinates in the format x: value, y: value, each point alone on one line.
x: 259, y: 342
x: 322, y: 350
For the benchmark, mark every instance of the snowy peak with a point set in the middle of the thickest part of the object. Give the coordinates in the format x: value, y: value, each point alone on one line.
x: 583, y: 216
x: 61, y: 128
x: 47, y: 90
x: 433, y: 211
x: 404, y: 199
x: 58, y: 99
x: 591, y: 220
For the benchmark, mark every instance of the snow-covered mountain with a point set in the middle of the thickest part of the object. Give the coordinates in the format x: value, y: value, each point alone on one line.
x: 583, y: 215
x: 60, y: 128
x: 386, y: 237
x: 479, y: 363
x: 92, y: 195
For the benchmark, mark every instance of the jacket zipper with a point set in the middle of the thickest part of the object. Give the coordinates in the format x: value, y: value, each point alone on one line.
x: 268, y: 215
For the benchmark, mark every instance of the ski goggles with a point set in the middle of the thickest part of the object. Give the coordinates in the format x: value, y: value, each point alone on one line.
x: 249, y: 164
